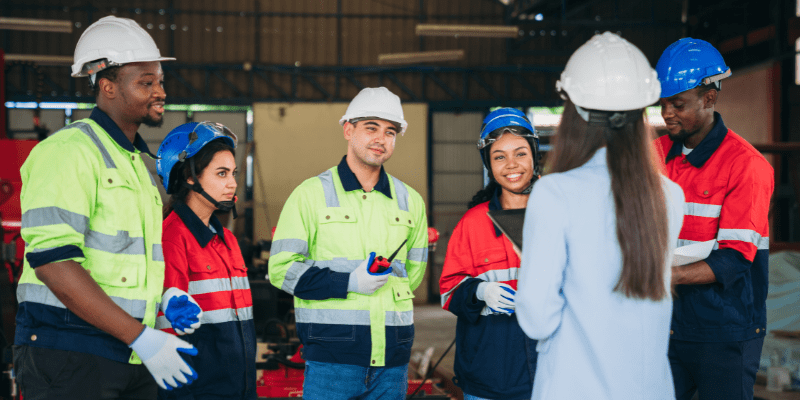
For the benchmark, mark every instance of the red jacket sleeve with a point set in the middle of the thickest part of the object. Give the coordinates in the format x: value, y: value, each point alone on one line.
x: 457, y: 263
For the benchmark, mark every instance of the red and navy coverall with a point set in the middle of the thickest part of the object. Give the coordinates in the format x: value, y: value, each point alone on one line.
x: 728, y: 185
x: 209, y: 266
x: 494, y: 359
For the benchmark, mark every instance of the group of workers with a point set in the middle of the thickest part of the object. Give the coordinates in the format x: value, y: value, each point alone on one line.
x: 590, y: 307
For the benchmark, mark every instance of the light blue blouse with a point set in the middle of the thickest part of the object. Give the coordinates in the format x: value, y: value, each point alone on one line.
x: 594, y: 343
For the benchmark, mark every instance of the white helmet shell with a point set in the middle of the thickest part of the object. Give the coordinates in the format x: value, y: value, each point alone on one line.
x: 119, y: 40
x: 376, y: 102
x: 609, y: 73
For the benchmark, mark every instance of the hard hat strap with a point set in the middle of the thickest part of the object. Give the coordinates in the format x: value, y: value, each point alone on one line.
x: 610, y: 119
x: 223, y: 206
x: 717, y: 78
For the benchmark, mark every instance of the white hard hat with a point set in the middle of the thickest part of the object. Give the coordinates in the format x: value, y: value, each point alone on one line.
x: 376, y: 102
x: 609, y: 73
x: 118, y: 40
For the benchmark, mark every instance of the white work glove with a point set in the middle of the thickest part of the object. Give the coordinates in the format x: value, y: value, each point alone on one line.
x: 499, y: 297
x: 364, y: 282
x: 182, y: 312
x: 159, y: 353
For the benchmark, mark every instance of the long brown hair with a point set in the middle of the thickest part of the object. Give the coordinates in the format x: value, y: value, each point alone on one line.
x: 641, y: 213
x: 181, y: 172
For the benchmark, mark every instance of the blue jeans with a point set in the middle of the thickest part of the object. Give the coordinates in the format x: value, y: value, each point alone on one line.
x: 329, y: 381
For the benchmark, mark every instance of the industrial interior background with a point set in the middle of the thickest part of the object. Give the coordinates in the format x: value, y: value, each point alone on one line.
x: 280, y: 74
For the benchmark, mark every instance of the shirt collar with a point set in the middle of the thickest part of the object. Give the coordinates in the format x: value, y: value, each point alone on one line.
x: 707, y: 146
x: 350, y: 182
x: 113, y: 130
x: 199, y: 230
x: 494, y: 204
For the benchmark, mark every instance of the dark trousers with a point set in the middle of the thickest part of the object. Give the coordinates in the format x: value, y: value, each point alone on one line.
x: 725, y: 370
x: 45, y: 374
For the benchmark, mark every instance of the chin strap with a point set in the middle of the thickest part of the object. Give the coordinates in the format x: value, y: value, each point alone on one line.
x: 223, y: 206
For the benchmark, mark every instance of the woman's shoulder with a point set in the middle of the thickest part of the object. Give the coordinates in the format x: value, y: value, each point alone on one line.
x: 477, y: 211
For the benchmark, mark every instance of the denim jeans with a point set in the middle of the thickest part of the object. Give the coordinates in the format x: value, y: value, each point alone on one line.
x: 329, y: 381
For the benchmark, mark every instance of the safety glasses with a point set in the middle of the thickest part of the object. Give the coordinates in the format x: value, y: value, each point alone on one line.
x: 497, y: 133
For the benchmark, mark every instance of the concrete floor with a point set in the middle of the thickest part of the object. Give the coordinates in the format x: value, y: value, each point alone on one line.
x: 434, y: 327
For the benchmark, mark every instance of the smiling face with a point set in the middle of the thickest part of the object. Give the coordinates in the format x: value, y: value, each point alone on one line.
x: 370, y: 142
x: 218, y: 179
x: 687, y: 113
x: 141, y: 93
x: 511, y: 159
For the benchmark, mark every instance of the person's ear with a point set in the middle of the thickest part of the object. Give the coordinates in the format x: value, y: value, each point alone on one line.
x: 348, y: 130
x: 107, y: 88
x: 710, y: 98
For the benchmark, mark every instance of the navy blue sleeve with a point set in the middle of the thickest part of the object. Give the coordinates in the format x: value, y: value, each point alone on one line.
x: 56, y: 254
x: 728, y: 265
x: 464, y: 303
x: 322, y: 283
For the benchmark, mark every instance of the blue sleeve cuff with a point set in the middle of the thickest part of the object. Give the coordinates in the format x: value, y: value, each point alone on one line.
x: 464, y: 303
x: 322, y: 283
x: 728, y: 265
x: 56, y: 254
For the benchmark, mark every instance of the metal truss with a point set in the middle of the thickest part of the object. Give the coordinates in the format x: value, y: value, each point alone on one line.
x: 440, y: 87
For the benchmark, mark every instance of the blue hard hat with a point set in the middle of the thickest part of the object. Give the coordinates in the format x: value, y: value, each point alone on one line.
x: 184, y: 142
x: 513, y: 121
x: 689, y: 63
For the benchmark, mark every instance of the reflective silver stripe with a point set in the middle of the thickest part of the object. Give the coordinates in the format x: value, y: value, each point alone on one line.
x: 227, y: 315
x: 499, y: 275
x: 334, y: 317
x: 40, y: 294
x: 245, y: 313
x: 152, y: 180
x: 214, y: 317
x: 87, y: 129
x: 292, y: 276
x: 121, y: 243
x: 686, y: 242
x: 402, y: 194
x: 162, y: 322
x: 339, y: 264
x: 240, y: 283
x: 744, y: 235
x: 702, y: 210
x: 447, y: 294
x: 46, y: 216
x: 158, y: 252
x: 298, y: 246
x: 209, y: 286
x: 331, y: 199
x: 346, y: 266
x: 399, y: 318
x: 419, y: 255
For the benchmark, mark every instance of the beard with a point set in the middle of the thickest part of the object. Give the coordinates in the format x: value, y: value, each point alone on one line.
x: 680, y: 136
x: 152, y: 122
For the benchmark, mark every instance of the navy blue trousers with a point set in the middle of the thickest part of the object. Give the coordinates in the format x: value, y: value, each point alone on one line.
x: 724, y: 371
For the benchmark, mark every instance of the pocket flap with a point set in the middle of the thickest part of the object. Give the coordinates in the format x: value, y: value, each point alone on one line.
x: 489, y: 256
x: 402, y: 292
x: 337, y: 214
x: 112, y: 179
x: 402, y: 218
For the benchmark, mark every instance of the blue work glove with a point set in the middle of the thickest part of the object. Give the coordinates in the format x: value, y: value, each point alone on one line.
x: 365, y: 282
x: 159, y: 353
x: 182, y: 312
x: 499, y: 297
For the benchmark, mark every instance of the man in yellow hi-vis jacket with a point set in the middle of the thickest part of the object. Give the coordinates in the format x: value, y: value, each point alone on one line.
x: 356, y: 325
x: 94, y: 270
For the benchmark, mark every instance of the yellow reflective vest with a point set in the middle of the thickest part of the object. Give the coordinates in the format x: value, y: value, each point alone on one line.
x: 87, y: 199
x: 323, y: 234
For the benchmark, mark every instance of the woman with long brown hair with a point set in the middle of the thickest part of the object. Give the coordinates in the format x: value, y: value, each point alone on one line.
x: 594, y: 285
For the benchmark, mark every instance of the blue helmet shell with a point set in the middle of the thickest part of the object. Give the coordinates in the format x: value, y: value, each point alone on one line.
x: 685, y: 63
x: 507, y: 117
x: 184, y: 142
